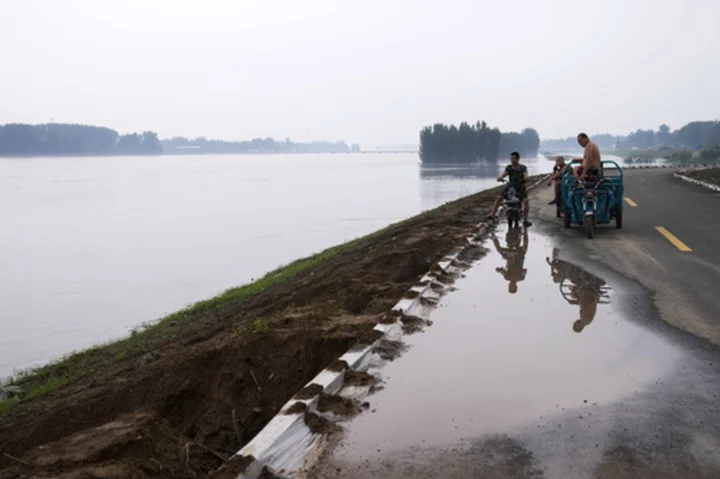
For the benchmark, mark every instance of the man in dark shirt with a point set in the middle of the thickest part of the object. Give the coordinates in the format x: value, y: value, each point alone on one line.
x: 517, y: 175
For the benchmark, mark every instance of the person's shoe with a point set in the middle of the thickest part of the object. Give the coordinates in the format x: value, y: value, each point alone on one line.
x: 527, y: 224
x: 553, y: 202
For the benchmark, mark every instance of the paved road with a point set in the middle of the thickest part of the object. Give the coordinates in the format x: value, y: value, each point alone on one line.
x: 509, y: 383
x: 686, y: 284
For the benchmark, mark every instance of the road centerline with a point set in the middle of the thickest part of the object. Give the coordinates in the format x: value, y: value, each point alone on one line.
x: 673, y: 239
x: 630, y: 202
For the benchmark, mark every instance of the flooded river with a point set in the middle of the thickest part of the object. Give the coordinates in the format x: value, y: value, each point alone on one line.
x: 91, y: 247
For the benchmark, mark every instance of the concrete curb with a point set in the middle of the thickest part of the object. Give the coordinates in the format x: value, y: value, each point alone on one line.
x: 711, y: 186
x: 285, y: 441
x: 671, y: 167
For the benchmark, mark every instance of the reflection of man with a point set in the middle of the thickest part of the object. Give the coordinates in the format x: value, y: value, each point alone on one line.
x: 587, y: 299
x: 585, y: 290
x: 514, y: 270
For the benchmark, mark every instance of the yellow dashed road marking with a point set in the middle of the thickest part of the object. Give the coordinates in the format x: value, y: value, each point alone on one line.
x: 630, y: 202
x: 671, y: 238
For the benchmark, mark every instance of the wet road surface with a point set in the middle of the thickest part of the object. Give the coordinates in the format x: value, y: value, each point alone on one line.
x: 546, y: 362
x: 683, y: 282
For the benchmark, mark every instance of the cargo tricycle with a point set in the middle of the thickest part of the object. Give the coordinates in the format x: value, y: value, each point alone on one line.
x: 596, y: 201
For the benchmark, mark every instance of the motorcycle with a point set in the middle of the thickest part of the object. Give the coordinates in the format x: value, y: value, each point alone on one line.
x: 513, y: 207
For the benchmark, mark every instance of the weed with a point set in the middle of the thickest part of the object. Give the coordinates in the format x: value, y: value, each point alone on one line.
x: 261, y: 326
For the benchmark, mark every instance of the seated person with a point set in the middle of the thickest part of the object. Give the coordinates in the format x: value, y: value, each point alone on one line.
x: 557, y: 178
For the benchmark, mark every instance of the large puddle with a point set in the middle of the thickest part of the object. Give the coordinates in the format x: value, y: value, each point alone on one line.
x: 526, y: 336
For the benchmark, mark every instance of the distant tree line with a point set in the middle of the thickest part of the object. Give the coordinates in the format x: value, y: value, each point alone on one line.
x: 467, y: 143
x: 64, y: 139
x: 180, y: 145
x: 695, y: 136
x: 51, y: 139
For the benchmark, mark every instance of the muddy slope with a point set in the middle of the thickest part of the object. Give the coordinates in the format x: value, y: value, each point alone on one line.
x: 222, y: 376
x: 711, y: 175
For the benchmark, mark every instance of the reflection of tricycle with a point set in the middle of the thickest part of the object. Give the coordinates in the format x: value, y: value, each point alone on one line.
x: 579, y: 287
x: 596, y: 202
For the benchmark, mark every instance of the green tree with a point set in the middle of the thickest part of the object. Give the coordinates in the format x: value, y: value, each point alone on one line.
x: 663, y: 135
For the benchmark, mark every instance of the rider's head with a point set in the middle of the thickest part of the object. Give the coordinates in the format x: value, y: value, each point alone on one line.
x: 559, y: 160
x: 578, y: 325
x: 512, y: 287
x: 583, y: 139
x: 514, y: 157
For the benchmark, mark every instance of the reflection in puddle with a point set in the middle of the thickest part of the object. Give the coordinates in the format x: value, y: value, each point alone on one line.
x: 579, y: 287
x: 514, y: 255
x: 494, y: 362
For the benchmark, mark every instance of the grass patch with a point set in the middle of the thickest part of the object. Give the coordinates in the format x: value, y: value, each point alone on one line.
x: 5, y: 406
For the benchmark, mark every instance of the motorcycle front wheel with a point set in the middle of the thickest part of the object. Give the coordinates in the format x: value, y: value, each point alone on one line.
x: 590, y: 226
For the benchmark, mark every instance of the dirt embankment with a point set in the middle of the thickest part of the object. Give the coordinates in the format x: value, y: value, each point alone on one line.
x: 710, y: 175
x: 223, y: 374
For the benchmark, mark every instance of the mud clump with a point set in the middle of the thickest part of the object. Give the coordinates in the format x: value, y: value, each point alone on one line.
x: 413, y: 324
x: 357, y: 378
x: 232, y: 468
x: 338, y: 365
x: 338, y: 405
x: 266, y: 474
x: 309, y: 392
x: 425, y: 301
x: 472, y: 254
x: 297, y: 408
x: 389, y: 350
x: 387, y: 319
x: 320, y: 425
x: 412, y: 294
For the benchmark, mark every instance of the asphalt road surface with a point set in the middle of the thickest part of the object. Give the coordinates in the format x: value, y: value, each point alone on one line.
x: 563, y: 357
x: 685, y: 284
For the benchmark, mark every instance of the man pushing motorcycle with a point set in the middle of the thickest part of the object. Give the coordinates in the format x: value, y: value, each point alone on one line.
x: 517, y: 175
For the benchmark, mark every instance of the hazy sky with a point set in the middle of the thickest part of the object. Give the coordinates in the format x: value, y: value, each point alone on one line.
x: 360, y: 70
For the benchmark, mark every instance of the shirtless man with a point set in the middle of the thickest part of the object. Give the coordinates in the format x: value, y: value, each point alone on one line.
x: 591, y: 162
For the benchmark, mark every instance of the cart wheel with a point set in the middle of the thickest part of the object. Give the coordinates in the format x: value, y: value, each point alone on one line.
x: 618, y: 218
x: 590, y: 227
x: 568, y: 218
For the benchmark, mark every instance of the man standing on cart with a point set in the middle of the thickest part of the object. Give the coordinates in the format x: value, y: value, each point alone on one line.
x: 591, y: 162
